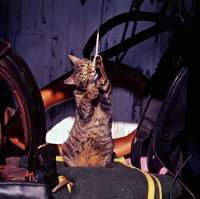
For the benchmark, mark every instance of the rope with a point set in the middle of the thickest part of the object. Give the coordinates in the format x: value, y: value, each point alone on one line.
x: 42, y: 12
x: 97, y: 38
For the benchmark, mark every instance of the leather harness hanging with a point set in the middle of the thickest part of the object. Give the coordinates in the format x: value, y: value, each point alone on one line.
x: 16, y: 73
x: 170, y: 112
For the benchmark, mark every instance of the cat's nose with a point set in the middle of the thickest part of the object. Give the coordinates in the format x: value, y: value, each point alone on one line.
x: 89, y: 70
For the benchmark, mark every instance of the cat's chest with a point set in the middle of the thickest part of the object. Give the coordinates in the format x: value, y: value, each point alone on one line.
x: 97, y: 119
x: 94, y: 112
x: 100, y: 115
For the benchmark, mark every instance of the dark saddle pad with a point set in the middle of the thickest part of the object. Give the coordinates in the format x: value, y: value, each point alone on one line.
x: 120, y: 181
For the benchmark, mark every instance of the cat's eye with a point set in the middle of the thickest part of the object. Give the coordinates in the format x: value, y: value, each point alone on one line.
x: 84, y: 76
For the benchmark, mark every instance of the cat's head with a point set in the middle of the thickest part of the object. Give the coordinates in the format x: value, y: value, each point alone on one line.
x: 84, y: 75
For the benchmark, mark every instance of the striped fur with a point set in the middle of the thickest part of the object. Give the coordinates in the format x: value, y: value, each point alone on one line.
x: 90, y: 140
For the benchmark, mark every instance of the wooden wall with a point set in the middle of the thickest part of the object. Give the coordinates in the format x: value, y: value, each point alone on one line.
x: 45, y: 47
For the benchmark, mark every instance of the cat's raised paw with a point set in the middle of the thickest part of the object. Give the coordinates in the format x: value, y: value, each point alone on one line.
x: 92, y: 93
x: 99, y: 62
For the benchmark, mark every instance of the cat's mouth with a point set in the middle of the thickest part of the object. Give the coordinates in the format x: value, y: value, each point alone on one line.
x: 95, y: 74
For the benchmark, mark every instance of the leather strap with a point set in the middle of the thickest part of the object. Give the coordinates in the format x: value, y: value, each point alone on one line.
x: 167, y: 24
x: 4, y: 47
x: 163, y: 132
x: 4, y: 175
x: 143, y: 133
x: 154, y: 95
x: 60, y: 185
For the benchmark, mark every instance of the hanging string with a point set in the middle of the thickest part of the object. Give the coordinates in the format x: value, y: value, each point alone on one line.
x: 42, y: 12
x: 97, y: 38
x: 97, y: 46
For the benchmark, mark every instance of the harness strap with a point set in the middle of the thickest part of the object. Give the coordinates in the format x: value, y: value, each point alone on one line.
x: 154, y: 95
x: 167, y: 24
x: 173, y: 112
x: 4, y: 175
x: 142, y: 134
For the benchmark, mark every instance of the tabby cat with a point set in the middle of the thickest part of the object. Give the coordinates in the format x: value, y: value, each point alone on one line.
x: 90, y: 140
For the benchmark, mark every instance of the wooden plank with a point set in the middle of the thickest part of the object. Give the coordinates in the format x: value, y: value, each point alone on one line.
x: 59, y: 40
x: 31, y: 48
x: 13, y: 20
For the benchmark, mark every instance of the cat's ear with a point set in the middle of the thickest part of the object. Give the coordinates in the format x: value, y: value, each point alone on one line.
x: 70, y: 80
x: 73, y: 59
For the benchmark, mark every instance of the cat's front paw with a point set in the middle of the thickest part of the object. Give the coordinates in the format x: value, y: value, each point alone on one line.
x: 92, y: 93
x: 98, y: 61
x: 109, y: 165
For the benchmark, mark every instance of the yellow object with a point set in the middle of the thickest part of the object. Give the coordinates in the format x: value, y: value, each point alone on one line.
x: 59, y: 158
x: 69, y: 184
x: 61, y: 178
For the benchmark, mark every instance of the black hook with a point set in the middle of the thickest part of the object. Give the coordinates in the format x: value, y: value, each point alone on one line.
x: 83, y: 2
